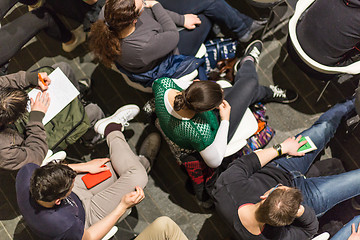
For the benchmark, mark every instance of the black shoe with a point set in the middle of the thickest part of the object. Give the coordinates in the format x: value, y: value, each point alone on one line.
x: 150, y: 148
x: 281, y: 95
x: 254, y: 50
x: 255, y: 26
x: 84, y: 87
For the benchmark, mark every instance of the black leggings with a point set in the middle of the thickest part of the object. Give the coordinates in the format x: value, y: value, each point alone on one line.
x: 15, y: 34
x: 245, y: 91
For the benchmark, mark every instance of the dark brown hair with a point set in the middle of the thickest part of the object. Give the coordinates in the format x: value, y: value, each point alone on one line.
x: 200, y: 96
x: 105, y: 39
x: 280, y: 207
x: 51, y: 182
x: 13, y: 104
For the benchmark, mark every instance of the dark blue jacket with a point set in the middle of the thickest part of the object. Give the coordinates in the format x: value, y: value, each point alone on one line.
x: 174, y: 66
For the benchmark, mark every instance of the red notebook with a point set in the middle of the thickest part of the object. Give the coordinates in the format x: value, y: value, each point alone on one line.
x: 92, y: 180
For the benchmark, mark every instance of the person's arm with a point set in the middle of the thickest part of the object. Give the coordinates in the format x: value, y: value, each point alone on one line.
x: 90, y: 2
x: 162, y: 43
x: 34, y: 147
x: 24, y: 79
x: 19, y: 80
x: 289, y: 146
x: 93, y: 166
x: 304, y: 226
x: 102, y: 227
x: 215, y: 152
x: 178, y: 19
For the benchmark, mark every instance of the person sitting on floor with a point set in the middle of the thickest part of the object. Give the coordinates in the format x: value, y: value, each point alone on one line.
x: 186, y: 113
x: 141, y: 35
x: 16, y: 33
x: 17, y: 150
x: 262, y: 198
x: 56, y: 204
x: 327, y: 33
x: 85, y: 12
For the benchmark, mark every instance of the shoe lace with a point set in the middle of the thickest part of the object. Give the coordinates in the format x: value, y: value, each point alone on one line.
x: 255, y: 53
x: 278, y: 92
x: 124, y: 118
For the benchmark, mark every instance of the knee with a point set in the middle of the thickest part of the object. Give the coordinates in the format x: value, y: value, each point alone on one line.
x: 141, y: 177
x: 65, y: 67
x: 163, y: 224
x: 248, y: 83
x: 94, y: 113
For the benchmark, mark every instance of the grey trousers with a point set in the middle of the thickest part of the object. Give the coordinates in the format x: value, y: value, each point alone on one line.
x: 93, y: 111
x: 127, y: 173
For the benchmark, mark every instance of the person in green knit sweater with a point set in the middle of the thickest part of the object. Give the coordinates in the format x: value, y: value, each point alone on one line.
x: 186, y: 113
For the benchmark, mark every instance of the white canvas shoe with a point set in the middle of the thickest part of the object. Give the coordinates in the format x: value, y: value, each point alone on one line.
x: 122, y: 115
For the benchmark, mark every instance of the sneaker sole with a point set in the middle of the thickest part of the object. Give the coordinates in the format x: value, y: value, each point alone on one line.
x: 126, y: 107
x: 284, y: 102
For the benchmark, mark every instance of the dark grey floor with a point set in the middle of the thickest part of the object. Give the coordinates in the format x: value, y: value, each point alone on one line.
x: 166, y: 192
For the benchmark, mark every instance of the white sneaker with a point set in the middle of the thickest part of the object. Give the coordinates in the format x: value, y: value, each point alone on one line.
x: 57, y: 157
x: 122, y: 115
x: 80, y: 37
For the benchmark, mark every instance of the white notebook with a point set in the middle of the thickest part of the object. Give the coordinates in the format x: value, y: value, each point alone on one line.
x: 61, y: 92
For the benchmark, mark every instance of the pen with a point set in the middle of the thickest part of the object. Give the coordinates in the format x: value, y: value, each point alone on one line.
x: 41, y: 79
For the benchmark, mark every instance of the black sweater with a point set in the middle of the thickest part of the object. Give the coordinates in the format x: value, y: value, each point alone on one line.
x: 329, y: 29
x: 244, y: 182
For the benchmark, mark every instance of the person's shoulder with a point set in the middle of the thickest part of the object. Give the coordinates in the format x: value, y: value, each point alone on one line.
x: 26, y: 170
x: 164, y: 82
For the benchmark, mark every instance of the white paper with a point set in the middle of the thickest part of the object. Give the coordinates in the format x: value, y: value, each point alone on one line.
x: 61, y: 92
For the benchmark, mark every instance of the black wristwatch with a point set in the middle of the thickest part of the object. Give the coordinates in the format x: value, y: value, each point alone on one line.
x: 277, y: 147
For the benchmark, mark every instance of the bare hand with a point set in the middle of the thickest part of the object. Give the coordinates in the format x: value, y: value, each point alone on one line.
x: 150, y: 4
x: 291, y: 145
x: 354, y: 235
x: 224, y: 110
x: 191, y: 20
x: 133, y: 198
x: 96, y: 165
x: 41, y: 103
x: 46, y: 80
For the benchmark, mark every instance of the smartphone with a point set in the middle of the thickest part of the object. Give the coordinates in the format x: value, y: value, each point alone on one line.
x: 90, y: 180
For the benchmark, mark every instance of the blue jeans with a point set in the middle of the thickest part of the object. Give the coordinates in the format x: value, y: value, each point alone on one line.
x: 217, y: 11
x: 345, y: 232
x: 322, y: 193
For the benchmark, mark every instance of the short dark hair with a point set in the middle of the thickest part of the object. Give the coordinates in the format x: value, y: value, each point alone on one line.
x: 280, y: 207
x: 13, y: 104
x: 51, y: 182
x: 200, y: 96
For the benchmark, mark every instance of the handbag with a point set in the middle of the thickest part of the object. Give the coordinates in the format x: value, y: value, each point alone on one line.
x: 219, y: 49
x: 264, y: 133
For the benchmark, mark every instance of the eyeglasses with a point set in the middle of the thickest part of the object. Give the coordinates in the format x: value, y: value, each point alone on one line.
x: 279, y: 185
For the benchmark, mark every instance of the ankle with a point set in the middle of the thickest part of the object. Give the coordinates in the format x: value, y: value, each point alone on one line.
x: 112, y: 127
x: 72, y: 40
x: 247, y: 58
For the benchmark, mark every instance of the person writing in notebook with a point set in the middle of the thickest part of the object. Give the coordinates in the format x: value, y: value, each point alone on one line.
x: 263, y: 198
x: 56, y: 204
x: 17, y: 150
